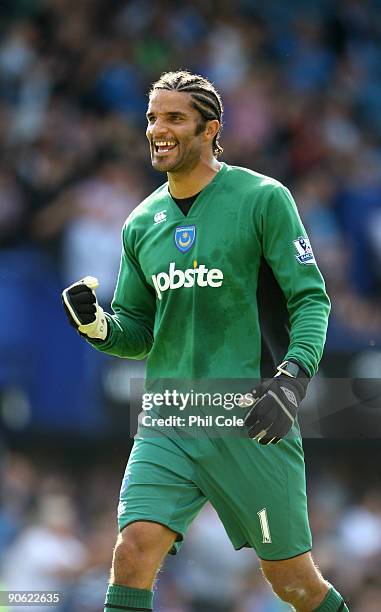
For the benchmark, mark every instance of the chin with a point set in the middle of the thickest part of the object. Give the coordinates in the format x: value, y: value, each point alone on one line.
x: 157, y: 166
x: 163, y: 166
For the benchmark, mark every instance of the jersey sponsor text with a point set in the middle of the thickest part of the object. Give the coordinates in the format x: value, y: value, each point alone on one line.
x: 175, y: 279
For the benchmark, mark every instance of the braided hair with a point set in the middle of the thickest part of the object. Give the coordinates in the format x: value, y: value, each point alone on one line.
x: 205, y: 98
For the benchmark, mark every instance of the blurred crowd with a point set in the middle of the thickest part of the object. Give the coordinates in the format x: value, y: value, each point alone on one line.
x: 301, y: 84
x: 58, y: 527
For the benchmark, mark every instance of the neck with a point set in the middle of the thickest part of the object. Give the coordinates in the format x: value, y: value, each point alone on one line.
x: 184, y: 184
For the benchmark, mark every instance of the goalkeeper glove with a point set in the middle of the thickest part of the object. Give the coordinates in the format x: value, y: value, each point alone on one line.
x: 276, y: 404
x: 82, y: 309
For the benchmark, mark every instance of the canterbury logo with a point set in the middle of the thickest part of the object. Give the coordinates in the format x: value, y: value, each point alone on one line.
x: 159, y: 217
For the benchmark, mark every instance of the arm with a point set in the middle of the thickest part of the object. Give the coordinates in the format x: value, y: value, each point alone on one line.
x: 298, y: 276
x: 286, y: 249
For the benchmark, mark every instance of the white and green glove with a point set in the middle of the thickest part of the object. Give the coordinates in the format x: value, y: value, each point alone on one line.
x: 82, y: 309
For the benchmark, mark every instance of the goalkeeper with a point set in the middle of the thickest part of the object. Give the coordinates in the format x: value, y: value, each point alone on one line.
x: 217, y: 281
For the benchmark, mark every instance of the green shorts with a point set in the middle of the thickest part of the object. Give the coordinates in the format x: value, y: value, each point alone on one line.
x: 258, y: 491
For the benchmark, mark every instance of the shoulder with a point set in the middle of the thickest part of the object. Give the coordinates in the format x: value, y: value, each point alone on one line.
x: 251, y: 180
x: 146, y: 210
x: 260, y: 191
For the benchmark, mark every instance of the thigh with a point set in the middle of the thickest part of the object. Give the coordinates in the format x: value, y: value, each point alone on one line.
x: 259, y: 493
x: 158, y: 486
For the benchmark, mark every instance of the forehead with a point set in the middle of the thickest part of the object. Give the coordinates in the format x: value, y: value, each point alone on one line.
x: 169, y: 101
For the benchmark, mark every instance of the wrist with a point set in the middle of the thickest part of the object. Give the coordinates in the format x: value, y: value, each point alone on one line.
x: 293, y: 376
x: 292, y: 369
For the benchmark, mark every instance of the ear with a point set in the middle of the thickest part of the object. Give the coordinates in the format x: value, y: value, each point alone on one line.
x: 212, y: 128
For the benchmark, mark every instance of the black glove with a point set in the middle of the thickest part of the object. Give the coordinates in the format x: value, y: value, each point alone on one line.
x: 276, y: 402
x: 82, y: 309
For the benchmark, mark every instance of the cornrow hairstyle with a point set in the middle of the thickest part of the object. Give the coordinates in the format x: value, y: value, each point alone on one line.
x: 205, y: 97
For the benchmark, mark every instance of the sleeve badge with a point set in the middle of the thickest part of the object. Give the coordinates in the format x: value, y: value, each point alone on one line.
x: 304, y: 251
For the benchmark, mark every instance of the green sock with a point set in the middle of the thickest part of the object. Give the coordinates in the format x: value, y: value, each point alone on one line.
x: 333, y: 602
x: 125, y: 598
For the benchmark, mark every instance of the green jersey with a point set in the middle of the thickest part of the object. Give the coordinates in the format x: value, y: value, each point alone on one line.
x: 228, y: 291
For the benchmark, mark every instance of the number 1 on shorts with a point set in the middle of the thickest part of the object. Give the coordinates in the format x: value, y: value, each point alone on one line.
x: 266, y: 536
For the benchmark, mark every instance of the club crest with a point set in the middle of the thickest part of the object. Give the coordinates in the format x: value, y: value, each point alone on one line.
x: 185, y: 237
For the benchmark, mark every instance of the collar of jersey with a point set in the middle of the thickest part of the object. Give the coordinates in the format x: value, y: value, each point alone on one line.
x: 202, y: 198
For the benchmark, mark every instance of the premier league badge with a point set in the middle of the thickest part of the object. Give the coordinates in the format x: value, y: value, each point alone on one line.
x: 185, y: 237
x: 305, y: 254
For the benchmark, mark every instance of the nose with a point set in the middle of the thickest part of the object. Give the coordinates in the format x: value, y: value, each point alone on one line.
x: 158, y: 129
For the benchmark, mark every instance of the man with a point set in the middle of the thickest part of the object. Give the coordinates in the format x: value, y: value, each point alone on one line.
x: 214, y: 264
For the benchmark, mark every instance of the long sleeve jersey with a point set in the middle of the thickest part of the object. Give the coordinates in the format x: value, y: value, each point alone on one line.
x: 228, y: 291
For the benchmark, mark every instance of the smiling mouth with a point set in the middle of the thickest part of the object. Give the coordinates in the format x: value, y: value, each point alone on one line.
x: 164, y: 146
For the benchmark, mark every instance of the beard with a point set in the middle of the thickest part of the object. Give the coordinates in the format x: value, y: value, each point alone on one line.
x: 176, y: 161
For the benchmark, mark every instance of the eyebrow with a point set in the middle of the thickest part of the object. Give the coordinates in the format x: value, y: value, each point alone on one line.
x: 169, y: 114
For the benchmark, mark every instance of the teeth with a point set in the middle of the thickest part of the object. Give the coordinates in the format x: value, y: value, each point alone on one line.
x: 164, y: 143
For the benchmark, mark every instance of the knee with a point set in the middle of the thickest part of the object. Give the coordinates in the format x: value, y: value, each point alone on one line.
x: 304, y: 591
x: 139, y: 552
x: 130, y: 550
